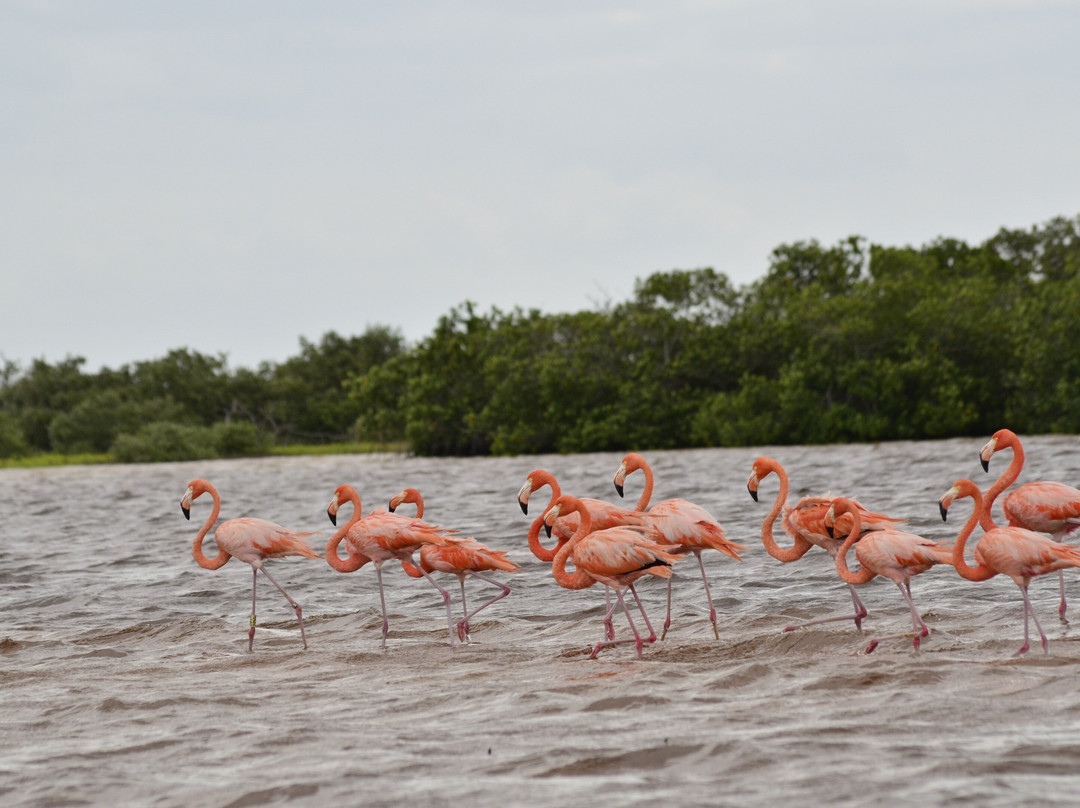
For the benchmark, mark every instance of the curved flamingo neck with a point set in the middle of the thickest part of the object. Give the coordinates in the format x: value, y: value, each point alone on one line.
x: 634, y: 462
x: 771, y: 547
x: 539, y: 479
x: 966, y: 488
x: 579, y: 579
x: 353, y: 562
x: 1004, y: 438
x: 218, y: 561
x: 537, y: 548
x: 864, y: 575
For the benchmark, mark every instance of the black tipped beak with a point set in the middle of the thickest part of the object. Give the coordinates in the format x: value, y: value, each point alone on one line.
x: 333, y: 517
x: 944, y: 511
x: 524, y: 507
x: 547, y: 529
x: 390, y: 506
x: 985, y: 464
x: 753, y: 492
x: 186, y: 512
x: 619, y: 489
x: 831, y: 530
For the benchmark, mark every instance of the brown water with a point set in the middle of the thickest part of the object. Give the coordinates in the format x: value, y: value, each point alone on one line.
x: 126, y: 679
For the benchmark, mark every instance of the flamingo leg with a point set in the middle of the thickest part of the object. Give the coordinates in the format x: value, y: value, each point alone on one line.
x: 254, y: 586
x: 446, y: 600
x: 382, y: 602
x: 1061, y: 607
x: 293, y: 603
x: 860, y: 613
x: 919, y: 628
x: 638, y: 642
x: 667, y: 620
x: 645, y: 617
x: 1028, y: 610
x: 609, y: 610
x: 708, y: 595
x: 463, y: 624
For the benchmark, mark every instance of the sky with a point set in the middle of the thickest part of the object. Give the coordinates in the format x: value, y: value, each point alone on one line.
x: 231, y: 177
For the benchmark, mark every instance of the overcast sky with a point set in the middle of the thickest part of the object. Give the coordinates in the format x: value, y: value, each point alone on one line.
x: 231, y: 176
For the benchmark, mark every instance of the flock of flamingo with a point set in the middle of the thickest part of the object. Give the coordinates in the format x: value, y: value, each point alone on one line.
x: 616, y: 546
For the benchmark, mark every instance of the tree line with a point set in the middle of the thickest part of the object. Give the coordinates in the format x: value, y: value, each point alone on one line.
x: 841, y: 343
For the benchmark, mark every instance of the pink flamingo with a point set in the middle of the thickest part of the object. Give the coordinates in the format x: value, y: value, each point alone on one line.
x: 893, y: 554
x: 615, y: 557
x: 464, y: 557
x: 681, y: 526
x: 250, y: 540
x: 603, y: 515
x: 1044, y: 507
x: 379, y: 537
x: 1010, y: 550
x: 805, y: 523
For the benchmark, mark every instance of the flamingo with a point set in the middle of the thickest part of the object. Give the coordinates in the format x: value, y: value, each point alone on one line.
x: 464, y: 557
x: 681, y: 526
x: 615, y: 557
x: 603, y: 515
x: 1045, y: 507
x: 805, y: 523
x: 1010, y: 550
x: 250, y: 540
x: 890, y: 553
x: 377, y: 538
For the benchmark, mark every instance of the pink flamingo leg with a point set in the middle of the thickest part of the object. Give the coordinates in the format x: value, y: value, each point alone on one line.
x: 293, y: 603
x: 1061, y: 608
x: 463, y: 624
x: 652, y: 634
x: 860, y: 613
x: 708, y: 595
x: 446, y: 600
x: 609, y: 610
x: 638, y: 642
x: 919, y: 628
x: 382, y: 602
x: 667, y: 620
x: 1029, y: 610
x: 254, y: 586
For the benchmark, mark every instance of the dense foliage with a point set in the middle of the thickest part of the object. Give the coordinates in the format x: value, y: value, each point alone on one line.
x: 852, y: 342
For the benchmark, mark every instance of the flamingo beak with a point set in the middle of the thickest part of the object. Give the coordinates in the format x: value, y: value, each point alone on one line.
x: 185, y: 503
x: 523, y: 496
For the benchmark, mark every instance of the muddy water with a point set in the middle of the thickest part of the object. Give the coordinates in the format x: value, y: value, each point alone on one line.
x: 125, y: 677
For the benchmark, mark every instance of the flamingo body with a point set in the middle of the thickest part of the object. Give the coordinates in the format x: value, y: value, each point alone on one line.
x: 615, y: 557
x: 462, y: 557
x: 892, y: 554
x: 1017, y: 552
x: 1047, y: 507
x: 252, y: 541
x: 679, y: 525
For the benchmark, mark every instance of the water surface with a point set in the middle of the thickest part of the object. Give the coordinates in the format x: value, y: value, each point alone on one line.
x: 126, y: 677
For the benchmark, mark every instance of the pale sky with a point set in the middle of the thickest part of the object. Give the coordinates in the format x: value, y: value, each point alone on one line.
x: 231, y: 176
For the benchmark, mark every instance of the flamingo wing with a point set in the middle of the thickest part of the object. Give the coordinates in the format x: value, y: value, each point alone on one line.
x: 1017, y: 551
x: 253, y: 540
x: 898, y: 555
x: 1047, y: 507
x: 678, y: 522
x: 618, y: 551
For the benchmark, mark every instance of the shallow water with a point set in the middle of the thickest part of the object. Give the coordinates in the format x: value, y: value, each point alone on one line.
x: 126, y: 677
